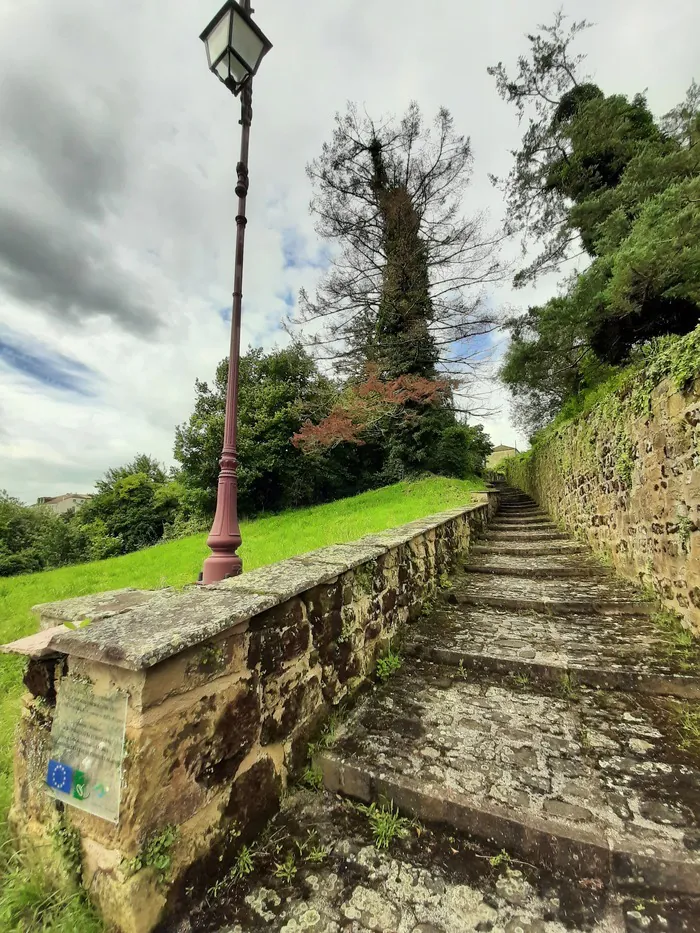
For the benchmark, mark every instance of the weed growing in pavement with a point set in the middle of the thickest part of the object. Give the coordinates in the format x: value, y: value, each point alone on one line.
x: 386, y: 823
x: 428, y: 606
x: 521, y: 680
x: 244, y: 864
x: 310, y: 849
x: 389, y: 663
x: 318, y: 854
x: 679, y: 643
x: 312, y: 777
x: 689, y: 724
x: 328, y: 736
x: 287, y: 869
x: 503, y: 858
x: 569, y: 687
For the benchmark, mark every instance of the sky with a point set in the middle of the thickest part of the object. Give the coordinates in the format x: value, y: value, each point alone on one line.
x: 117, y: 171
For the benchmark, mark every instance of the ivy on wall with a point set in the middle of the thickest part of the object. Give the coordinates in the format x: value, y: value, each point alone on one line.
x: 620, y: 468
x: 592, y: 432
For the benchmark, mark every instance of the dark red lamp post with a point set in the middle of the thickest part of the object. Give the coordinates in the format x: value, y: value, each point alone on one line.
x: 235, y: 48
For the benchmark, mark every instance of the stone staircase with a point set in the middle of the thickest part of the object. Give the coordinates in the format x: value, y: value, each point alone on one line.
x: 544, y: 728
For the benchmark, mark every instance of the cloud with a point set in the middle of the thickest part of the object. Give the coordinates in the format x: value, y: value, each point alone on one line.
x: 117, y: 176
x: 41, y: 365
x: 70, y: 138
x: 66, y: 171
x: 70, y: 277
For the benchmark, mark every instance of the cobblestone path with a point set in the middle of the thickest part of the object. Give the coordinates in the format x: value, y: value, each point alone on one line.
x: 542, y: 743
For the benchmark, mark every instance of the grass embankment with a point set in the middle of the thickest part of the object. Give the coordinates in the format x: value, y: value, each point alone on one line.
x: 25, y: 902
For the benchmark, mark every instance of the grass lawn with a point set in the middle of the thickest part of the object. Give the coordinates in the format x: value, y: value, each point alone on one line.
x: 25, y: 903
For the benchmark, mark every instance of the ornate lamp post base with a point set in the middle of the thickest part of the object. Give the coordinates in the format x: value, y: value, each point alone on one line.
x: 219, y: 567
x: 225, y: 536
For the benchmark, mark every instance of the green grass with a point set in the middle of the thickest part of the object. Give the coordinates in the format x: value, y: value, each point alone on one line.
x: 175, y: 563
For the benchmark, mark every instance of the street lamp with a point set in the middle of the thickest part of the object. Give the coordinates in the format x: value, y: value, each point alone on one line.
x: 235, y: 47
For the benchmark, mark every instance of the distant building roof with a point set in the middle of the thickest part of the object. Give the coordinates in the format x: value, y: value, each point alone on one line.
x: 66, y: 495
x: 504, y: 447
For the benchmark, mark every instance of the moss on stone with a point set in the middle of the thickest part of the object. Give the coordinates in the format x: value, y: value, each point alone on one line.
x: 619, y: 467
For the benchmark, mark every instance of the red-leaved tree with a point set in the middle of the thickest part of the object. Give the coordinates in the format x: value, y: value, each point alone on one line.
x: 370, y: 407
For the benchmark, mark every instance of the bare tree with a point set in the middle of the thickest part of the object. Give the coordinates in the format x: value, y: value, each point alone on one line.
x: 405, y: 290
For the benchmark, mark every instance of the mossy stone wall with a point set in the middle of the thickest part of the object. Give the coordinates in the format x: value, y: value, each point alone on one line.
x: 624, y: 476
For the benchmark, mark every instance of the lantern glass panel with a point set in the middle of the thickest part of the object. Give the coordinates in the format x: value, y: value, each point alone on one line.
x: 246, y: 42
x: 237, y: 70
x: 217, y: 40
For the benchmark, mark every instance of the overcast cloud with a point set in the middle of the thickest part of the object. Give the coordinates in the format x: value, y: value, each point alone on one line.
x: 117, y: 170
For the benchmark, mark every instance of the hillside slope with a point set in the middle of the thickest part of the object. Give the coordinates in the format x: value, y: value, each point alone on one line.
x: 175, y: 563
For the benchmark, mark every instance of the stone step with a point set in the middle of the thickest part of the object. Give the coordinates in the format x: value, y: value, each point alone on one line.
x: 526, y: 535
x: 620, y: 652
x: 520, y: 519
x: 595, y: 783
x: 430, y: 879
x: 548, y: 567
x: 574, y: 595
x: 519, y: 507
x: 498, y: 525
x: 535, y: 550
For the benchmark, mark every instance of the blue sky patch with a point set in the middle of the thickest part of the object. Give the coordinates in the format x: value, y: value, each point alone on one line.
x: 478, y: 348
x: 287, y: 296
x: 295, y: 251
x: 45, y: 366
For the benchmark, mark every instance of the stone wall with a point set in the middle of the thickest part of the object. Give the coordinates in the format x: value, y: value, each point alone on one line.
x: 628, y: 483
x: 226, y: 685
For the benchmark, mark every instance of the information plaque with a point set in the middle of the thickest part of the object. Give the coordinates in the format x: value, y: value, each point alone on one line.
x: 87, y: 748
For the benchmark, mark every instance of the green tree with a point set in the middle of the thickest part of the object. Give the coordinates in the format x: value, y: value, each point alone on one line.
x: 278, y: 391
x: 535, y: 209
x: 577, y: 143
x: 34, y: 538
x: 404, y: 290
x: 682, y: 123
x: 131, y: 510
x: 405, y: 420
x: 462, y: 451
x: 599, y: 172
x: 141, y: 463
x: 547, y: 360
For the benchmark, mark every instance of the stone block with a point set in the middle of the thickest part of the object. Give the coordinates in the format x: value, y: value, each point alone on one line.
x: 144, y: 636
x: 285, y: 579
x: 288, y: 703
x: 271, y: 649
x: 97, y: 606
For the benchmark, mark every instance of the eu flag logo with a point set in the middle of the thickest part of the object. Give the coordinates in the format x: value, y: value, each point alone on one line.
x: 59, y: 776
